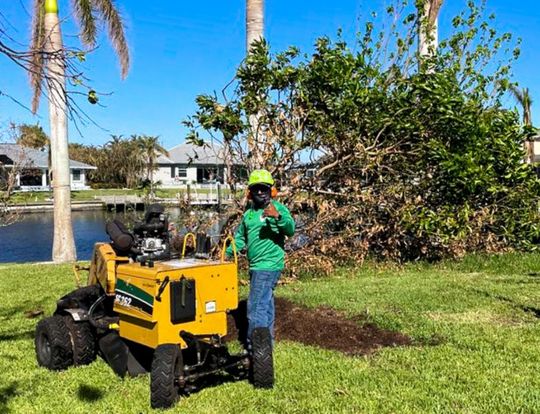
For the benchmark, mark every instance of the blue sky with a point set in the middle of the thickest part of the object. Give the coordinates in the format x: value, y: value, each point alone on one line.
x: 181, y: 49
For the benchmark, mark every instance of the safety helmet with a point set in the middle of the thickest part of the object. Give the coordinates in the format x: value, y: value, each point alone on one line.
x: 260, y: 177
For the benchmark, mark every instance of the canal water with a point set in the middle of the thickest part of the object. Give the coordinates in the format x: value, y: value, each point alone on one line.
x: 30, y: 238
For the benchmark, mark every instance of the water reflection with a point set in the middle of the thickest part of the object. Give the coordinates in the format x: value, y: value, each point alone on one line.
x: 30, y: 238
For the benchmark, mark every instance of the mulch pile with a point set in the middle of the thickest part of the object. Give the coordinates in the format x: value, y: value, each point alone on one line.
x: 322, y: 327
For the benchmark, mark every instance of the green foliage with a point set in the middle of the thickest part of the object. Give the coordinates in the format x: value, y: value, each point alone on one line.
x: 265, y: 88
x: 32, y: 136
x: 120, y: 163
x: 150, y: 149
x: 413, y: 158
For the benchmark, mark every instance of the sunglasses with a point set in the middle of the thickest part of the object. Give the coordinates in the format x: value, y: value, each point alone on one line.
x: 260, y: 188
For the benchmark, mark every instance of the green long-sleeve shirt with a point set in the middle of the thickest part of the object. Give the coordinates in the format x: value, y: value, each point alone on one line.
x: 264, y: 237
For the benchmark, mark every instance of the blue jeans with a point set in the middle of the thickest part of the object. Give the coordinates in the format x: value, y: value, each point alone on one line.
x: 260, y: 305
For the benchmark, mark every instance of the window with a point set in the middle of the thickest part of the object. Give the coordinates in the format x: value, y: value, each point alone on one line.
x: 182, y: 172
x: 31, y: 177
x: 172, y: 172
x: 5, y: 160
x: 76, y: 175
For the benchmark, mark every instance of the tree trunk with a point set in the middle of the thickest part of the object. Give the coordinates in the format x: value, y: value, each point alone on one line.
x: 151, y: 177
x: 428, y: 28
x: 254, y: 22
x: 63, y: 241
x: 254, y: 32
x: 529, y: 152
x: 527, y: 120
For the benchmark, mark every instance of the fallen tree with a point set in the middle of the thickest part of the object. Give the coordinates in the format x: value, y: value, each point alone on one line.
x: 380, y: 156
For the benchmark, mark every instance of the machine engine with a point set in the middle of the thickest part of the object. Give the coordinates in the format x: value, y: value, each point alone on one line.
x: 149, y: 240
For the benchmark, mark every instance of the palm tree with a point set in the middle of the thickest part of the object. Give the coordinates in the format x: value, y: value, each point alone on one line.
x: 49, y: 62
x: 523, y: 97
x: 428, y: 35
x: 134, y: 163
x: 32, y: 136
x: 151, y: 150
x: 116, y: 159
x: 255, y: 32
x: 254, y: 22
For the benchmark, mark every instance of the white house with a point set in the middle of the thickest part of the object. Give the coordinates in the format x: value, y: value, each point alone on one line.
x: 33, y: 168
x: 536, y: 148
x: 191, y: 164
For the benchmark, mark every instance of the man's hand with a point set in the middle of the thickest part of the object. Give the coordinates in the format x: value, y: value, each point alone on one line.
x: 270, y: 211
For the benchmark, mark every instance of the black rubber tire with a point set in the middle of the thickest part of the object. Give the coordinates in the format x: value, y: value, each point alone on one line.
x: 262, y: 361
x: 83, y: 340
x: 167, y: 365
x: 53, y: 344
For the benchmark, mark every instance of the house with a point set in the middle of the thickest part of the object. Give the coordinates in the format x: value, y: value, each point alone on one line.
x: 191, y: 164
x: 535, y: 148
x: 32, y: 166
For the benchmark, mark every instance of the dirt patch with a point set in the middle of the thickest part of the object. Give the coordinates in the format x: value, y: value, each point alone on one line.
x: 322, y: 327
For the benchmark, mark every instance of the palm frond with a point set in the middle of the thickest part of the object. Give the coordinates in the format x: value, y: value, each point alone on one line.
x: 37, y: 46
x: 115, y: 25
x: 161, y: 150
x: 84, y: 14
x: 517, y: 93
x: 523, y: 98
x: 527, y: 103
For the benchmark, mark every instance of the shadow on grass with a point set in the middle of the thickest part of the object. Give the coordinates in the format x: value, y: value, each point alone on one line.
x: 28, y: 310
x: 5, y: 394
x: 527, y: 309
x: 533, y: 278
x: 15, y: 336
x: 89, y: 393
x: 237, y: 324
x: 531, y: 309
x: 209, y: 381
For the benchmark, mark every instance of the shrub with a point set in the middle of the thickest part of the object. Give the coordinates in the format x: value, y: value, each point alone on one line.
x: 415, y: 157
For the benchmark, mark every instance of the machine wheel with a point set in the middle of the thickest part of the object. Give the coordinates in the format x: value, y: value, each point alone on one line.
x: 83, y: 341
x: 262, y: 364
x: 53, y: 344
x: 167, y: 365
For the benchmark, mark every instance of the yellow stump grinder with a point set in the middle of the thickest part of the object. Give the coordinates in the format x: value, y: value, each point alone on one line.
x: 144, y: 310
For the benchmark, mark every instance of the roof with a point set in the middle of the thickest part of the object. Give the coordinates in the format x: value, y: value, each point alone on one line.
x: 209, y: 154
x: 37, y: 158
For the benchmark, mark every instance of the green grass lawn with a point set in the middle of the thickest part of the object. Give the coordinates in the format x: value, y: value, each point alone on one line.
x: 90, y: 195
x: 474, y: 325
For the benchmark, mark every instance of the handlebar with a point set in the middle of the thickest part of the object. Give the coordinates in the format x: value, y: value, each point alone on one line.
x: 223, y: 249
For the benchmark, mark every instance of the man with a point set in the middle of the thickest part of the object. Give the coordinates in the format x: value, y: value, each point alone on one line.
x: 262, y: 233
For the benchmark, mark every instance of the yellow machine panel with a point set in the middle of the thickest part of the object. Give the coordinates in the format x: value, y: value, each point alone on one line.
x: 183, y: 295
x: 103, y: 267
